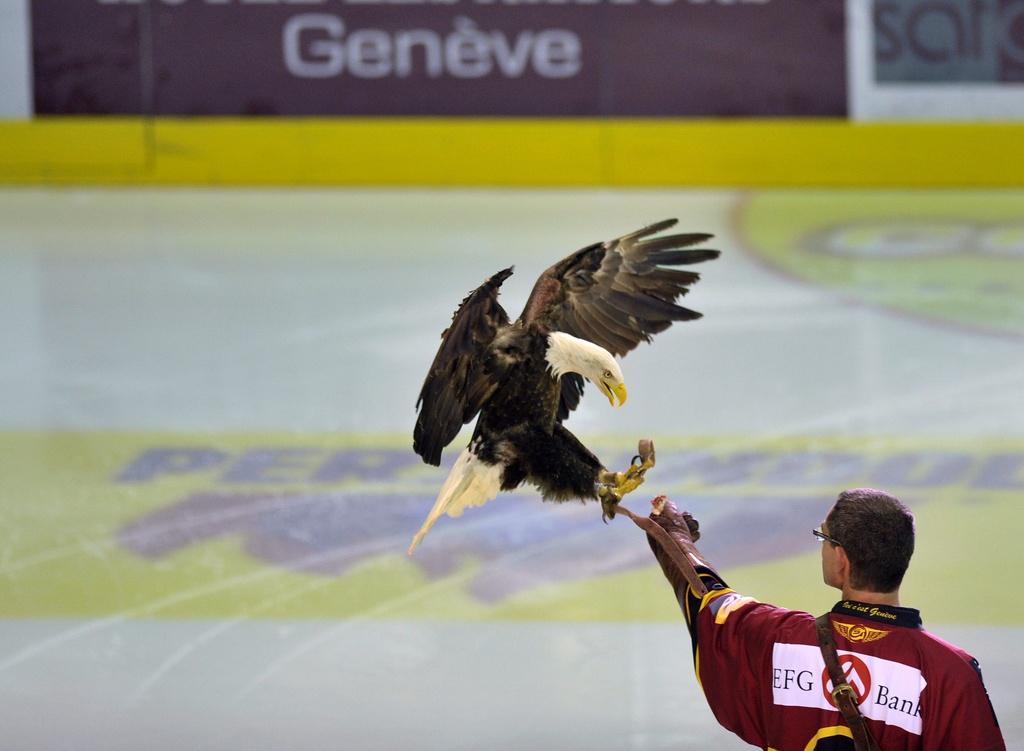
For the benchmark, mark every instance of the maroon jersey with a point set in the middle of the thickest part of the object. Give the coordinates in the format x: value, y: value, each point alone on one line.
x: 762, y: 672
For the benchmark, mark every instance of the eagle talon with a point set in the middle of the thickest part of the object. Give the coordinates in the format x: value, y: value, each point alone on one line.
x: 609, y: 500
x: 612, y: 486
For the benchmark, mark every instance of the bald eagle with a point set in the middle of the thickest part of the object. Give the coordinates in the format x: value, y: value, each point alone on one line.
x: 524, y: 378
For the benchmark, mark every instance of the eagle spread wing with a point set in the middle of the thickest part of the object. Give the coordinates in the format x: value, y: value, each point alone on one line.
x: 458, y: 382
x: 619, y: 293
x: 615, y: 294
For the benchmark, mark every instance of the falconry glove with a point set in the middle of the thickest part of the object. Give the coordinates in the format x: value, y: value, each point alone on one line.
x: 671, y: 535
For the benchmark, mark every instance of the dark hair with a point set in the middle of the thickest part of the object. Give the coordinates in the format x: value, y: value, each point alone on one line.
x: 877, y: 533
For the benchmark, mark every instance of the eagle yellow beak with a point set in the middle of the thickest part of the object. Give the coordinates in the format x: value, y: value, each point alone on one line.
x: 614, y: 391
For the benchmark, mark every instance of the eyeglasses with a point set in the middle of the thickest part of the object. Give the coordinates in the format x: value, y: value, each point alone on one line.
x: 825, y: 538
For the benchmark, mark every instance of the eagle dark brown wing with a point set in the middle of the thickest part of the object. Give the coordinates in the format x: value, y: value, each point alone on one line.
x: 459, y: 381
x: 619, y: 293
x: 569, y: 399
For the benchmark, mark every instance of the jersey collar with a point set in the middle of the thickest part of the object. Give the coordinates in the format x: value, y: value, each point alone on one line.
x: 888, y: 614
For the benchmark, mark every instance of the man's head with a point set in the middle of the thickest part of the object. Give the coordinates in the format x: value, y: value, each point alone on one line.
x: 875, y: 533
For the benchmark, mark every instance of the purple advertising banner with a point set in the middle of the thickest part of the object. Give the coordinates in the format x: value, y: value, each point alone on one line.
x: 440, y: 57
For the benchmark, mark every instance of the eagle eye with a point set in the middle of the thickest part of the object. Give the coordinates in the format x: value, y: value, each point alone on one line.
x: 607, y: 374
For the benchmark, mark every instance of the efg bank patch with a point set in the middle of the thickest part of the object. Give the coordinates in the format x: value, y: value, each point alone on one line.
x: 886, y: 690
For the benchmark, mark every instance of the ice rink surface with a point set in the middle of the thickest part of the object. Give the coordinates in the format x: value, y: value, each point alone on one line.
x: 207, y: 403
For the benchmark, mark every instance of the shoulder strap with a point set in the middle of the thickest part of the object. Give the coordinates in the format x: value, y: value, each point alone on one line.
x: 843, y: 693
x: 676, y: 554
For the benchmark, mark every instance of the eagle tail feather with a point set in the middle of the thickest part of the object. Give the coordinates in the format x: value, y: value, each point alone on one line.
x: 470, y: 483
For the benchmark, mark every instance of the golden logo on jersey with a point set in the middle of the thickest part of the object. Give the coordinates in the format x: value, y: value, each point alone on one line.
x: 860, y: 633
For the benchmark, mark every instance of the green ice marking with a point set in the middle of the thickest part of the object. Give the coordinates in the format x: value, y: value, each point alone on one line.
x: 64, y: 504
x: 944, y: 255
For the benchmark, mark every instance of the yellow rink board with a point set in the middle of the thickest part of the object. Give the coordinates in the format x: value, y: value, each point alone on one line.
x: 508, y: 152
x: 85, y: 519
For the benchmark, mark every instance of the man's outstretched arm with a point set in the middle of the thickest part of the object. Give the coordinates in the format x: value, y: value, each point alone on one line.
x: 691, y: 576
x: 729, y: 632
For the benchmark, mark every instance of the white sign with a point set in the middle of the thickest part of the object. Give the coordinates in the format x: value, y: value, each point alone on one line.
x: 15, y: 60
x: 886, y: 690
x: 935, y: 59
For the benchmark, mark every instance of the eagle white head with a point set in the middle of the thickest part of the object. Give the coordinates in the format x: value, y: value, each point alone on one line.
x: 569, y: 354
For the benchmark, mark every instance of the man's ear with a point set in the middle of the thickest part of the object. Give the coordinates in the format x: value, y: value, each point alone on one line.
x: 842, y: 564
